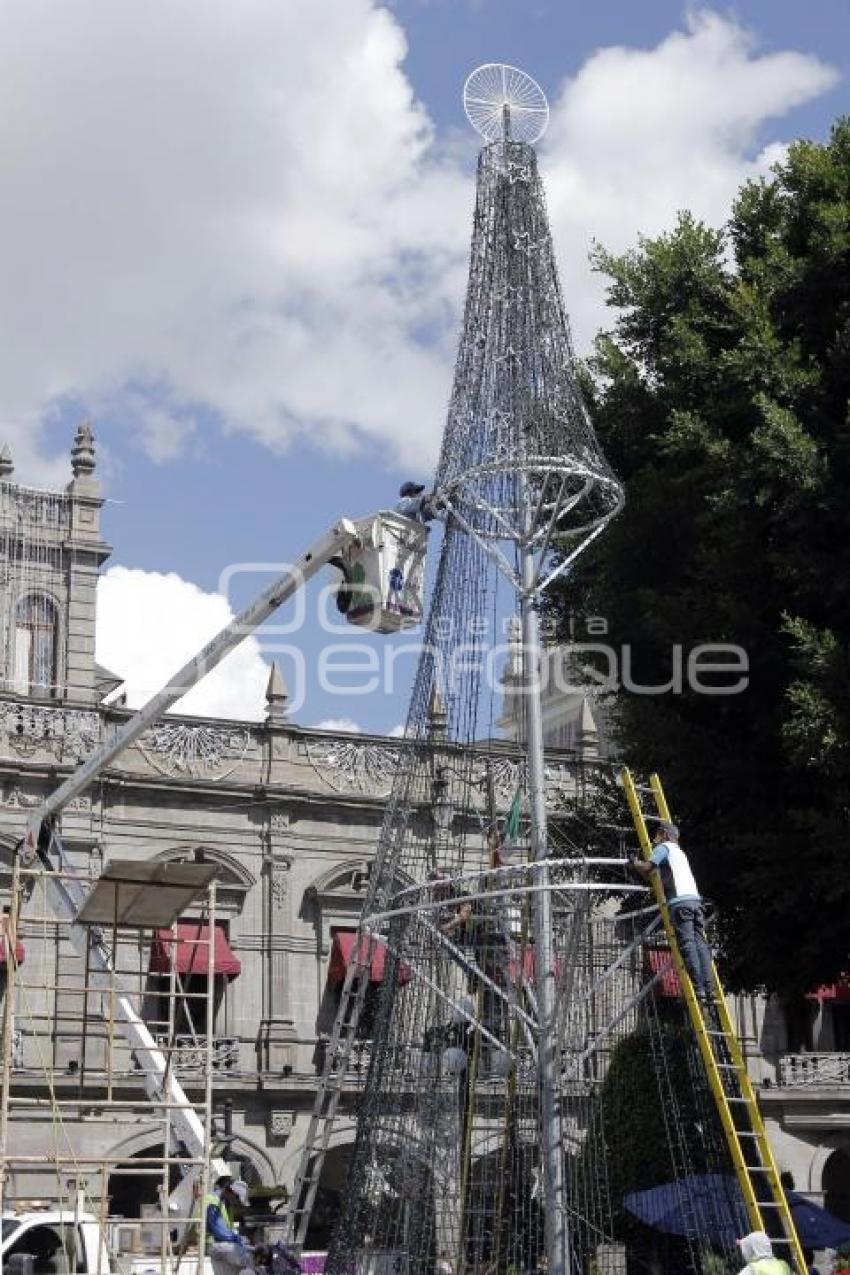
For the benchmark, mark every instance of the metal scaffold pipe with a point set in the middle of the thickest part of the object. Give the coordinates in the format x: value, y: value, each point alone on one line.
x: 557, y: 1239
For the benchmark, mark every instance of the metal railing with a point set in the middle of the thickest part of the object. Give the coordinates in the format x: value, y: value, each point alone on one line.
x: 798, y: 1071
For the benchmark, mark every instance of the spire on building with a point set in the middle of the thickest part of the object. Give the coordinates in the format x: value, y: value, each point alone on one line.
x: 513, y: 666
x: 277, y: 697
x: 437, y: 714
x: 588, y: 732
x: 82, y: 453
x: 6, y: 463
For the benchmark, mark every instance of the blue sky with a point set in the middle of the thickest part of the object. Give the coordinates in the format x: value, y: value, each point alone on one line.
x: 237, y: 241
x: 554, y: 37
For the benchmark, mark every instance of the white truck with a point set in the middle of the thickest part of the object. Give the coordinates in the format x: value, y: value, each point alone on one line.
x: 381, y: 561
x: 50, y: 1242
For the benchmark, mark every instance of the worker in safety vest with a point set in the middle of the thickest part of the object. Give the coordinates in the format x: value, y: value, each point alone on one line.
x: 757, y: 1252
x: 228, y: 1250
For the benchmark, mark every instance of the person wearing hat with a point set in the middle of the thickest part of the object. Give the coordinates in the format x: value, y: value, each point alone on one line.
x: 228, y: 1250
x: 685, y: 903
x: 757, y: 1251
x: 414, y: 503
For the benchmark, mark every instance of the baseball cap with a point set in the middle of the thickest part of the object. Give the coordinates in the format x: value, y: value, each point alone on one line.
x: 411, y: 489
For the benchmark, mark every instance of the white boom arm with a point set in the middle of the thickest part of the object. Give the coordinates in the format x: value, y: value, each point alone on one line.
x: 67, y: 894
x: 318, y: 556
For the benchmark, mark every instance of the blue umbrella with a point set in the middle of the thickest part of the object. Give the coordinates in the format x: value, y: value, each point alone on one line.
x: 817, y: 1227
x: 710, y: 1206
x: 707, y: 1205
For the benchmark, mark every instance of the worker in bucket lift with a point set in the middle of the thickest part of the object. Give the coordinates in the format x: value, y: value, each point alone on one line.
x: 228, y: 1250
x: 685, y: 903
x: 415, y: 503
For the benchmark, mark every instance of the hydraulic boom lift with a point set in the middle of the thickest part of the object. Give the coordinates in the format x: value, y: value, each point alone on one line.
x: 381, y: 559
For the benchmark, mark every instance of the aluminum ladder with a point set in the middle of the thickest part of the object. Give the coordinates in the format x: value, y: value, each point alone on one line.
x: 743, y: 1127
x: 331, y: 1085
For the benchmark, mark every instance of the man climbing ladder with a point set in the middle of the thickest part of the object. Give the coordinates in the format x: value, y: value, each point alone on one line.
x: 684, y: 900
x: 743, y: 1127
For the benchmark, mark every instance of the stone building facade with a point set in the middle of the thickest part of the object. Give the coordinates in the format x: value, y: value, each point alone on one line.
x: 290, y: 817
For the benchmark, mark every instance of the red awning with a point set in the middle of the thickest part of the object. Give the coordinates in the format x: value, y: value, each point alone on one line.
x: 661, y: 959
x: 528, y: 967
x: 19, y: 951
x: 838, y: 991
x: 342, y: 954
x: 191, y: 952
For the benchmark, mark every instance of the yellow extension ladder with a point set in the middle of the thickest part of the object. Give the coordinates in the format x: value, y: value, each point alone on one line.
x: 743, y: 1127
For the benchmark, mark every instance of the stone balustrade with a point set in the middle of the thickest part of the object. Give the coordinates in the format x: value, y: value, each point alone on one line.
x: 189, y: 1056
x: 813, y: 1070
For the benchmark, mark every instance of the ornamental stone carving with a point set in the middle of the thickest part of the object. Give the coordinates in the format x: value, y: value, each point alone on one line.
x: 195, y: 752
x: 19, y: 799
x: 38, y: 508
x: 508, y: 774
x: 355, y: 766
x: 281, y: 1124
x: 65, y: 734
x: 280, y: 880
x: 362, y: 766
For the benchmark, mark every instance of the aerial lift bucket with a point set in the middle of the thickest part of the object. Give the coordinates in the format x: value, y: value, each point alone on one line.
x: 383, y: 573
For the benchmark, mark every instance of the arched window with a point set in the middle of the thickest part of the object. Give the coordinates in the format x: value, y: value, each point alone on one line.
x: 836, y: 1184
x: 35, y: 645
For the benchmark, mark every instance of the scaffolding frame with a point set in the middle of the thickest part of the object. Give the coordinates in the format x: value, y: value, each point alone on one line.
x: 59, y: 1002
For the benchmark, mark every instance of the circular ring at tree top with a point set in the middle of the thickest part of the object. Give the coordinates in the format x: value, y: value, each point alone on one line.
x: 501, y: 101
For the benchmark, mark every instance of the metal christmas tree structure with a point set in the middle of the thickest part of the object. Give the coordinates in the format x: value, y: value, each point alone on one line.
x: 476, y: 1124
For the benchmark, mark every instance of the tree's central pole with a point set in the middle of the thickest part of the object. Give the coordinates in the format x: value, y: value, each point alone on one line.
x: 552, y: 1156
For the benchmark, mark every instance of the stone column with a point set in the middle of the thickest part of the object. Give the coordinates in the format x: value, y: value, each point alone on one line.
x: 86, y: 550
x: 279, y: 1035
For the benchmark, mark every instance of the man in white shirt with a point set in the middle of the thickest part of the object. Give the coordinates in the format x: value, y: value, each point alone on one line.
x: 685, y: 904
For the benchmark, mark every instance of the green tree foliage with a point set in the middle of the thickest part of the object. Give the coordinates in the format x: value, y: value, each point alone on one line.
x: 636, y: 1108
x: 721, y: 397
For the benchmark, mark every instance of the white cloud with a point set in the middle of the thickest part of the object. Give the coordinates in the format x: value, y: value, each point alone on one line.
x: 149, y: 625
x: 242, y: 210
x: 397, y: 731
x: 236, y: 207
x: 342, y: 725
x: 639, y: 134
x: 166, y: 433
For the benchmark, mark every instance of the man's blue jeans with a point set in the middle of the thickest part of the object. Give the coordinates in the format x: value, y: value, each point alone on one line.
x: 689, y: 922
